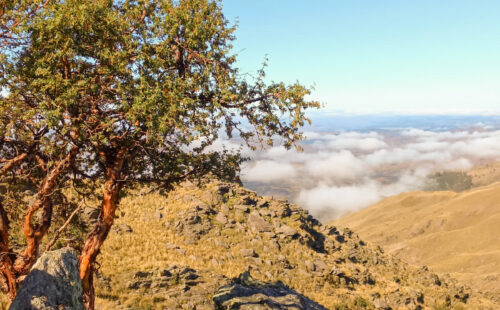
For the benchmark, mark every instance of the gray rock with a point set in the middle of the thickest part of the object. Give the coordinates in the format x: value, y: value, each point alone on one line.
x: 221, y: 243
x: 287, y: 231
x: 89, y: 215
x: 141, y: 274
x: 284, y: 211
x: 171, y: 246
x: 281, y: 258
x: 248, y: 253
x: 158, y: 215
x: 247, y: 293
x: 224, y: 209
x: 309, y: 266
x: 242, y: 208
x: 135, y: 285
x: 274, y: 245
x: 181, y: 252
x: 258, y: 224
x: 214, y: 261
x: 122, y: 228
x: 247, y: 200
x: 380, y: 303
x: 52, y: 284
x: 221, y: 218
x: 211, y: 198
x: 262, y: 203
x: 320, y: 265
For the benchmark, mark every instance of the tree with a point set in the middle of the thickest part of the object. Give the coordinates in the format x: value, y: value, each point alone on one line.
x: 122, y: 92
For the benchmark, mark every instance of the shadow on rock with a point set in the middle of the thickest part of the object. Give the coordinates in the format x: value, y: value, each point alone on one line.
x: 52, y: 284
x: 245, y: 292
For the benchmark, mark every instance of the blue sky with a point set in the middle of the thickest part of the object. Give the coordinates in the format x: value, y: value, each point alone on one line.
x: 427, y: 56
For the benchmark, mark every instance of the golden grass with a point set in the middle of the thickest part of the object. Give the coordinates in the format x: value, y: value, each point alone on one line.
x: 144, y: 250
x: 449, y: 232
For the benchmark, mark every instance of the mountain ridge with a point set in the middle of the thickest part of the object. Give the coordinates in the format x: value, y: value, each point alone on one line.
x: 456, y: 233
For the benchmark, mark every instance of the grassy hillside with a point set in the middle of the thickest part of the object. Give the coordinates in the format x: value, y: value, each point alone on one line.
x: 456, y: 233
x: 176, y: 252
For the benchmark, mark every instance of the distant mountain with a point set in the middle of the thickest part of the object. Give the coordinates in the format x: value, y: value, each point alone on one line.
x: 456, y: 233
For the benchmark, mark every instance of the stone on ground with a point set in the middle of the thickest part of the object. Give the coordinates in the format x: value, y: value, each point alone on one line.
x: 52, y: 284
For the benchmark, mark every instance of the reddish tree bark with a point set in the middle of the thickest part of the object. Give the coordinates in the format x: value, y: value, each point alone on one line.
x: 96, y: 237
x: 35, y: 233
x: 12, y: 163
x: 9, y: 283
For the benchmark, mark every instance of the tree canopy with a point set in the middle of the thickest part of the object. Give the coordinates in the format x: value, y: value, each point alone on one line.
x: 124, y: 91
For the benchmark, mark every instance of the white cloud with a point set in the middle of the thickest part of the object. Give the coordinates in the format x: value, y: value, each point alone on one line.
x: 327, y: 202
x: 364, y: 144
x: 268, y: 171
x: 336, y: 166
x: 346, y: 171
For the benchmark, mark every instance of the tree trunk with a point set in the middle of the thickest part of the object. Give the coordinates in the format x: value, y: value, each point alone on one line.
x: 96, y: 237
x: 35, y: 233
x: 9, y: 284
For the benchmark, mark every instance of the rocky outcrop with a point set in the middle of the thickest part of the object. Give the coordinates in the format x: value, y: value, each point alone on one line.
x: 217, y: 231
x: 246, y: 293
x: 52, y: 284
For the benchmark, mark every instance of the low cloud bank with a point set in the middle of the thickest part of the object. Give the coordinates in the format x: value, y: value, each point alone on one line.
x: 343, y: 172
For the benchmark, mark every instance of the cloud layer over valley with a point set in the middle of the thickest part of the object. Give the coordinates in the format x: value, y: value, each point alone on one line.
x: 345, y: 171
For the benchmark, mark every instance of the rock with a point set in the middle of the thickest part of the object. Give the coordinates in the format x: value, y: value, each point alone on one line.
x: 52, y: 284
x: 247, y: 200
x: 320, y: 265
x: 221, y: 218
x: 258, y: 261
x: 330, y: 230
x: 171, y: 246
x: 262, y: 204
x: 221, y: 243
x: 247, y: 293
x: 286, y: 231
x: 274, y: 245
x: 89, y: 214
x: 122, y: 228
x: 141, y: 274
x: 258, y: 224
x: 270, y: 234
x: 309, y: 266
x: 224, y: 209
x: 158, y: 215
x: 380, y: 304
x: 242, y: 208
x: 193, y: 219
x: 284, y: 211
x: 211, y: 198
x: 165, y: 273
x: 248, y: 253
x: 181, y: 252
x: 135, y: 285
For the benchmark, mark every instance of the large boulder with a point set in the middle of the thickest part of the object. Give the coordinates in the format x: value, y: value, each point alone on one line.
x: 52, y: 284
x: 246, y: 293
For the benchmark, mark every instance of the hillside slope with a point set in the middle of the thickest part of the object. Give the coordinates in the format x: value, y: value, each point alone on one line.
x: 177, y: 252
x: 456, y: 233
